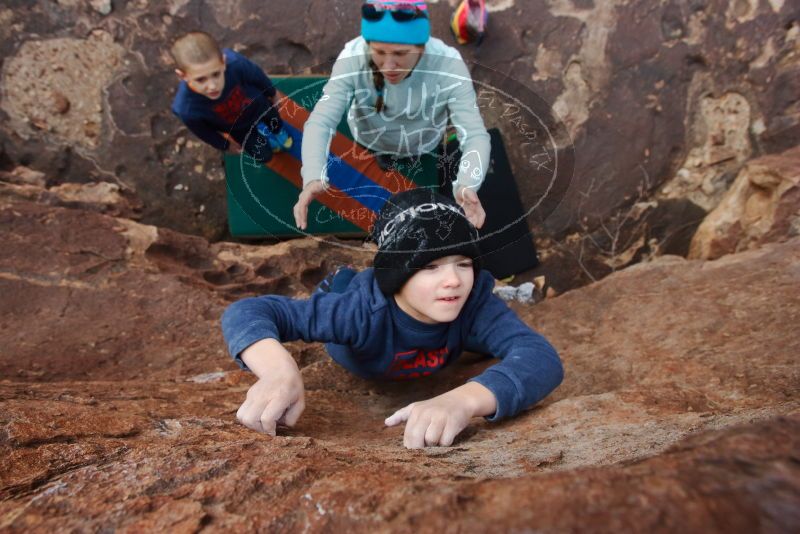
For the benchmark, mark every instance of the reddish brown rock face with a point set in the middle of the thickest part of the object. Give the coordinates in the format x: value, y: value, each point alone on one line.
x: 679, y: 410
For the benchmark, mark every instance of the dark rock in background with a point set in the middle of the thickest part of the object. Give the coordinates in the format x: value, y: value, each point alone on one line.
x: 667, y: 95
x: 624, y: 79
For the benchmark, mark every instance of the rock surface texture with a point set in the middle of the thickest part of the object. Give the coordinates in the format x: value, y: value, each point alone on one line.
x: 679, y: 410
x: 762, y: 205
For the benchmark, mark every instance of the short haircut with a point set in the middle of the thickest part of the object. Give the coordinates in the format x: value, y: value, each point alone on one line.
x: 194, y: 48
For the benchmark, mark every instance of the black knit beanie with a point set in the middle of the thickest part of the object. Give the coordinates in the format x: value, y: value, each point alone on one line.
x: 414, y: 228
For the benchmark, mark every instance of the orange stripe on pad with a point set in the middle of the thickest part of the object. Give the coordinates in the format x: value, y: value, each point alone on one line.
x: 349, y: 151
x: 342, y: 205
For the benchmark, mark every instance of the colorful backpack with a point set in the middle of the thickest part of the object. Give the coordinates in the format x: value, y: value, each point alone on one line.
x: 469, y: 21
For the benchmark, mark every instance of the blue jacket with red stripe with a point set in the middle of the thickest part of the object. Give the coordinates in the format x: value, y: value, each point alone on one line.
x: 369, y: 335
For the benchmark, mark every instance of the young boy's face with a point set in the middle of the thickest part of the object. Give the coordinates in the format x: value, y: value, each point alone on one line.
x: 437, y: 292
x: 207, y: 79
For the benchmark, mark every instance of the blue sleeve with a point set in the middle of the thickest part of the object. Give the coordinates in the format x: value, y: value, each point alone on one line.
x: 255, y: 76
x: 325, y: 317
x: 530, y: 368
x: 206, y: 133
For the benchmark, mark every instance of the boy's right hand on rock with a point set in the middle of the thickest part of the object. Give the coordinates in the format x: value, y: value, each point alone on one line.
x: 306, y: 196
x: 278, y: 396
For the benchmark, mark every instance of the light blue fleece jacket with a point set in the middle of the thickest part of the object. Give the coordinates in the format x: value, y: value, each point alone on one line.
x: 415, y: 115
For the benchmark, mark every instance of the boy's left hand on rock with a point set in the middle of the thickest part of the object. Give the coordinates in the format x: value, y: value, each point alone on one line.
x: 439, y: 420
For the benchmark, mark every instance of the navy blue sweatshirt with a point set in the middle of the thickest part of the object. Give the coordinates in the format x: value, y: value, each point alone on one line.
x: 244, y: 99
x: 369, y: 335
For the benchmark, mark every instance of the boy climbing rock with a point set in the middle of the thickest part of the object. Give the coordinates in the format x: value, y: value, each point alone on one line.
x: 424, y: 302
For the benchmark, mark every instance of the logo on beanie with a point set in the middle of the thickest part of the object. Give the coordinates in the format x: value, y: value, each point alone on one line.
x: 412, y: 213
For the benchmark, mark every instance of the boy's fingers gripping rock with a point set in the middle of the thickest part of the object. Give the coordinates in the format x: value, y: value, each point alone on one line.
x: 268, y: 418
x: 414, y: 436
x: 399, y: 416
x: 451, y: 429
x: 249, y: 412
x: 293, y: 413
x: 434, y: 432
x: 241, y: 411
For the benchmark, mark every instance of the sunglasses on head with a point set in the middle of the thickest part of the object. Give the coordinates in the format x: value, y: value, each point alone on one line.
x: 399, y: 12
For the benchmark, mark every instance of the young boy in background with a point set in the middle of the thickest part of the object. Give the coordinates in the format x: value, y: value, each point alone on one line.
x: 423, y: 303
x: 225, y: 99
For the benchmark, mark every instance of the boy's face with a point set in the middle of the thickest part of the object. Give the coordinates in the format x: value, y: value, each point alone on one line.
x: 395, y: 61
x: 437, y: 292
x: 207, y: 79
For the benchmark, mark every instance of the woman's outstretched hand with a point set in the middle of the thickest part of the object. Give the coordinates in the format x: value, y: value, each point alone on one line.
x: 300, y: 209
x: 468, y: 199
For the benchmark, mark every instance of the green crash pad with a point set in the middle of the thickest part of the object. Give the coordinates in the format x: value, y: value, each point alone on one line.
x: 261, y: 197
